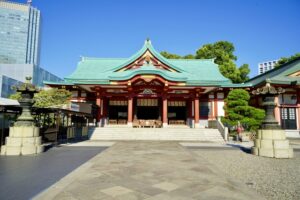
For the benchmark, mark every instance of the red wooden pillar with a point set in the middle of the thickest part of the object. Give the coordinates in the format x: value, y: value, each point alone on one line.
x: 130, y: 111
x: 98, y: 103
x: 197, y: 110
x: 165, y: 112
x: 215, y: 115
x: 277, y: 110
x: 298, y: 107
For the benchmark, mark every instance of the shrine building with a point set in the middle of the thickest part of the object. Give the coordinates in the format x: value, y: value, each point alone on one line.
x: 149, y: 90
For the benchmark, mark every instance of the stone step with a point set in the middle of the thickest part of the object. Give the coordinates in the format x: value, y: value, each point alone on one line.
x: 169, y: 134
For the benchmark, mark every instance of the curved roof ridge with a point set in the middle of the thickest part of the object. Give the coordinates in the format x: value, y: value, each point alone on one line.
x: 148, y: 46
x: 97, y: 58
x: 194, y: 59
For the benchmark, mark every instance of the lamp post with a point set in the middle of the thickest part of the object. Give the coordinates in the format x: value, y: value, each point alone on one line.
x: 271, y: 140
x: 24, y: 136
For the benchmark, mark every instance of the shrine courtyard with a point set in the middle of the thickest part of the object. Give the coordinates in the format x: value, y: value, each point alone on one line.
x: 150, y: 170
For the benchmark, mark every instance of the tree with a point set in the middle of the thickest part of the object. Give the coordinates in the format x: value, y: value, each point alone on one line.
x: 284, y: 60
x: 238, y: 110
x: 170, y: 55
x: 49, y: 98
x: 223, y: 54
x: 175, y: 56
x: 189, y: 56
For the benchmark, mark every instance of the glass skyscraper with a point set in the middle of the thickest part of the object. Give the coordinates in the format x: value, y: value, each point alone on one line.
x: 19, y: 33
x: 20, y: 26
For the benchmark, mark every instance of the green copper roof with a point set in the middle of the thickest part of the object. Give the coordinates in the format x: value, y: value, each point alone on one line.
x: 279, y: 75
x: 200, y: 72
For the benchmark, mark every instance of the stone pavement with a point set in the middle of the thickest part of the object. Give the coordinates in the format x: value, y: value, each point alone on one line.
x: 147, y: 170
x: 22, y: 177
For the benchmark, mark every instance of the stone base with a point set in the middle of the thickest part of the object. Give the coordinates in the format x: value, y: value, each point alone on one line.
x: 22, y: 141
x: 272, y: 144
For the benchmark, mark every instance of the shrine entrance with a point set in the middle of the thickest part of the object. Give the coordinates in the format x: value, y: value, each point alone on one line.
x: 117, y: 112
x: 177, y: 112
x: 147, y: 109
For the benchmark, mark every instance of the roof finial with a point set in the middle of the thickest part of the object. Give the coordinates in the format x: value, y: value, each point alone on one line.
x: 148, y: 41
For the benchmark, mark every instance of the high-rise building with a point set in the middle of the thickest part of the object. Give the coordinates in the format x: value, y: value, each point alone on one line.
x: 266, y: 66
x: 19, y: 33
x: 20, y: 26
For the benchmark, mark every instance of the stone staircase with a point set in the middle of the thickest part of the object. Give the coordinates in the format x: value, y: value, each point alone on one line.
x: 180, y: 133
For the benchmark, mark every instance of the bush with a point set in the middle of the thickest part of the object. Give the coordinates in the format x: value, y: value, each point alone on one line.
x: 238, y: 110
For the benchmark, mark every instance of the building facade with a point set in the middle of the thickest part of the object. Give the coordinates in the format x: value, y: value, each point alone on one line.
x: 19, y: 33
x: 287, y: 111
x: 266, y: 66
x: 148, y: 87
x: 14, y: 74
x: 20, y: 27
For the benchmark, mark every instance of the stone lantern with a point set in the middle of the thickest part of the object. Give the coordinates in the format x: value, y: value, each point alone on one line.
x: 24, y: 136
x: 271, y: 140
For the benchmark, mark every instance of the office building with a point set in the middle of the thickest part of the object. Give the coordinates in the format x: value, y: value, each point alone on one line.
x: 20, y: 27
x: 19, y: 33
x: 266, y: 66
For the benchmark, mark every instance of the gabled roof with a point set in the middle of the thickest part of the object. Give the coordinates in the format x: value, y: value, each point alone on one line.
x: 202, y: 72
x: 279, y: 75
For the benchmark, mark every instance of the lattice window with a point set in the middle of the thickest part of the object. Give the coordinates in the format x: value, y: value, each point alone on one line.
x: 147, y: 102
x: 118, y: 103
x: 177, y: 103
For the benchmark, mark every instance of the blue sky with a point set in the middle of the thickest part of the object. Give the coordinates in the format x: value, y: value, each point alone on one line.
x: 261, y: 30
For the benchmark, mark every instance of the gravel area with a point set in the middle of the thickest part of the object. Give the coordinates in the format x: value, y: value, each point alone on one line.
x: 273, y: 178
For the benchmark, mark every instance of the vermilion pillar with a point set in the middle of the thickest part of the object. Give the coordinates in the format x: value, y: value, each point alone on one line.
x: 165, y: 112
x: 277, y: 111
x: 98, y: 103
x: 298, y: 108
x: 129, y: 116
x: 197, y: 110
x: 215, y: 113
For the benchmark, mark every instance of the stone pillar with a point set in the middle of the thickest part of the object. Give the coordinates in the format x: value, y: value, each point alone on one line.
x: 197, y: 111
x: 129, y: 112
x: 165, y: 112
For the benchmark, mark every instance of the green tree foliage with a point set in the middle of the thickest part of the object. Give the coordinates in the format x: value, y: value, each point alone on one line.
x: 49, y: 98
x: 52, y: 98
x: 238, y: 110
x: 175, y: 56
x: 189, y: 56
x: 223, y: 53
x: 170, y: 55
x: 284, y: 60
x: 15, y: 96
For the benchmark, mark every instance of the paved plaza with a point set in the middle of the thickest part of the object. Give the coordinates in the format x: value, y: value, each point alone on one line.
x: 148, y: 170
x: 22, y: 177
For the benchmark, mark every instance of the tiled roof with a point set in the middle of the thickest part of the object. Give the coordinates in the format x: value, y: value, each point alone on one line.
x: 192, y: 71
x: 279, y: 75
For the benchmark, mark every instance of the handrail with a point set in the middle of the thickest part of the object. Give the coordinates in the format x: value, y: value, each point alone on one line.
x: 222, y: 129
